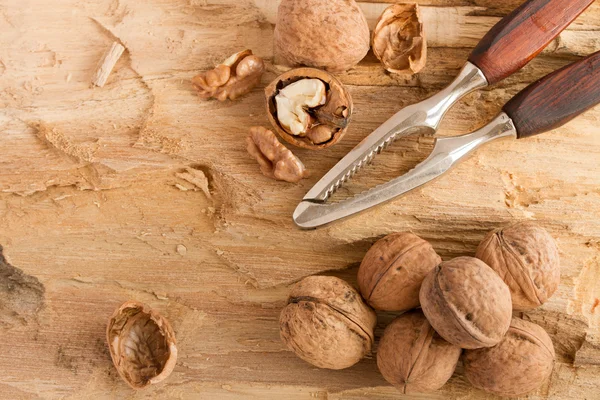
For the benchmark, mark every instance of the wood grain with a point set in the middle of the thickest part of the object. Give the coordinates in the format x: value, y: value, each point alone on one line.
x: 101, y: 189
x: 522, y: 35
x: 557, y: 98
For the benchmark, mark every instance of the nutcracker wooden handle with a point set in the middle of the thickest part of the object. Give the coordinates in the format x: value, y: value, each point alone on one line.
x: 557, y: 98
x: 522, y: 35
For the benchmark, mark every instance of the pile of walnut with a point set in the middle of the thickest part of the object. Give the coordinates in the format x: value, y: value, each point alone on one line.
x: 308, y: 107
x: 466, y: 309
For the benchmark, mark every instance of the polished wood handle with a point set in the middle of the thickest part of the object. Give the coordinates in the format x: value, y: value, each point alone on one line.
x: 557, y: 98
x: 522, y: 35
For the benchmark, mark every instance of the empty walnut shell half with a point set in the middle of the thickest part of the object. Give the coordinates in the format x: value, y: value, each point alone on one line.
x: 467, y: 303
x: 517, y: 365
x: 399, y: 39
x: 526, y: 258
x: 326, y: 323
x: 413, y: 357
x: 308, y: 108
x: 393, y: 269
x: 142, y: 344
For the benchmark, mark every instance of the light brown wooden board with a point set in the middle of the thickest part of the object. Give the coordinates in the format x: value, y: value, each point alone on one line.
x: 102, y: 199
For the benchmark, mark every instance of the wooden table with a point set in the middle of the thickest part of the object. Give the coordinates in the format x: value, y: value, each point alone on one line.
x: 140, y: 190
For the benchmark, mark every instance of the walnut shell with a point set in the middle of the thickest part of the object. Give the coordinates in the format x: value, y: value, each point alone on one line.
x: 326, y: 323
x: 141, y: 344
x: 467, y: 303
x: 328, y: 34
x: 399, y: 39
x: 335, y: 113
x: 413, y: 357
x: 517, y: 365
x: 393, y: 269
x: 526, y: 258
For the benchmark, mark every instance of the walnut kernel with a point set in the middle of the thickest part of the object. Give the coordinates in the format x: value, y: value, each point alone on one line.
x: 233, y: 78
x: 275, y: 160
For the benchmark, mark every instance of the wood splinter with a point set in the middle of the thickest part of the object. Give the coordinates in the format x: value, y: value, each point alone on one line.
x: 107, y: 64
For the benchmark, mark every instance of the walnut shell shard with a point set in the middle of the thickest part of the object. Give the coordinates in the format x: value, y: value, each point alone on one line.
x: 326, y: 323
x: 517, y: 365
x: 399, y: 39
x: 328, y: 34
x: 526, y: 257
x: 141, y: 344
x: 328, y: 122
x: 413, y: 357
x: 467, y: 303
x: 391, y: 273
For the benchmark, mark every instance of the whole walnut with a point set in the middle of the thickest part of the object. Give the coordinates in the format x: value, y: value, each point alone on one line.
x: 328, y: 34
x: 526, y: 258
x: 141, y: 343
x: 517, y: 365
x: 467, y: 303
x: 393, y: 269
x: 326, y: 323
x: 413, y: 357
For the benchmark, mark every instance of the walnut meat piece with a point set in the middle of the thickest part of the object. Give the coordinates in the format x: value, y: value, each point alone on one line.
x: 467, y: 303
x: 399, y: 40
x: 141, y: 344
x: 517, y: 365
x: 393, y: 269
x: 235, y: 77
x: 526, y: 258
x: 308, y: 108
x: 328, y: 34
x: 413, y: 357
x: 326, y: 323
x: 275, y: 160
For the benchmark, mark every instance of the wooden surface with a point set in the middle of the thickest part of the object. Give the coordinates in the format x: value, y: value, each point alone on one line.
x: 140, y: 190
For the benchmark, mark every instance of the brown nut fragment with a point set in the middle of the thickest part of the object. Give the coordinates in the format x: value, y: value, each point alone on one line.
x: 526, y: 258
x: 328, y: 34
x: 517, y: 365
x: 235, y: 77
x: 326, y: 323
x: 467, y: 303
x: 413, y: 357
x: 393, y: 269
x: 399, y: 40
x: 141, y: 344
x: 275, y: 160
x: 308, y: 108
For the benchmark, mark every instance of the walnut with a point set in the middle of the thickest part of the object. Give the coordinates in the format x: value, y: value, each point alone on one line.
x: 526, y: 258
x: 393, y: 269
x: 413, y: 357
x: 141, y: 344
x: 275, y: 160
x: 467, y: 303
x: 328, y: 34
x: 308, y: 108
x: 326, y: 323
x: 235, y: 77
x: 399, y: 40
x: 517, y: 365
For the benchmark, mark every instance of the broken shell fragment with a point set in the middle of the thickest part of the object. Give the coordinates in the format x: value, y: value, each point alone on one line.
x: 308, y: 108
x: 235, y: 77
x: 399, y: 39
x: 141, y: 344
